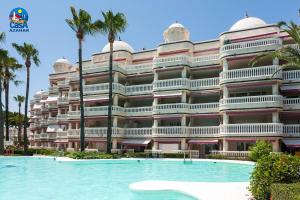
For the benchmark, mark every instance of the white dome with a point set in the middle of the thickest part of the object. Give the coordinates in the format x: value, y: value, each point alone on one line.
x: 176, y: 32
x: 63, y: 60
x: 39, y: 92
x: 118, y: 46
x: 247, y: 23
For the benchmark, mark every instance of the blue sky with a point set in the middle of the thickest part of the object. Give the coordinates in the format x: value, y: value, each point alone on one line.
x: 147, y: 20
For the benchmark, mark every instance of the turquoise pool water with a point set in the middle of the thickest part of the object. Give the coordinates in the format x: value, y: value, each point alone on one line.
x: 32, y: 178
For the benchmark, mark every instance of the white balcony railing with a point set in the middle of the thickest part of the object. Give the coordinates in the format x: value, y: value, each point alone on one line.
x: 232, y: 154
x: 139, y: 111
x: 171, y: 131
x: 255, y: 73
x: 141, y: 68
x: 95, y: 132
x: 264, y: 101
x: 103, y: 88
x: 74, y: 95
x: 171, y: 108
x: 262, y: 129
x: 207, y: 83
x: 139, y: 89
x: 204, y: 108
x: 101, y: 67
x: 171, y: 84
x: 291, y: 103
x: 291, y: 130
x: 62, y: 100
x: 138, y: 132
x: 103, y: 110
x: 171, y: 61
x: 63, y: 84
x: 61, y: 134
x: 250, y: 46
x: 204, y: 131
x: 206, y: 60
x: 53, y: 89
x: 291, y: 76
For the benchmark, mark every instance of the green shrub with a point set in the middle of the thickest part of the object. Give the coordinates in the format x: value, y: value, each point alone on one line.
x: 260, y: 149
x: 215, y: 156
x: 91, y: 155
x: 174, y: 155
x: 281, y: 191
x: 273, y: 168
x: 137, y: 155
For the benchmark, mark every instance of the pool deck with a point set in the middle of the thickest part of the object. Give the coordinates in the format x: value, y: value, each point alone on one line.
x: 199, y: 190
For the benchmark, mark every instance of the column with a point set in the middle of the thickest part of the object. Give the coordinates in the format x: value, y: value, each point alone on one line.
x: 225, y: 65
x: 155, y: 76
x: 183, y: 97
x: 183, y: 144
x: 275, y: 117
x: 225, y: 92
x: 115, y: 121
x: 114, y: 143
x: 225, y: 118
x: 184, y: 72
x: 70, y: 126
x: 155, y: 145
x: 77, y: 125
x: 116, y: 77
x: 58, y: 111
x: 183, y: 120
x: 116, y: 100
x: 69, y: 144
x: 275, y: 61
x: 275, y: 146
x: 225, y: 145
x: 275, y: 89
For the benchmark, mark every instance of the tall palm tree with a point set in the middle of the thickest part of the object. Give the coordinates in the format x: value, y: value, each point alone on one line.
x: 111, y: 26
x: 29, y: 53
x: 11, y: 65
x: 289, y: 54
x: 81, y: 23
x: 19, y: 99
x: 3, y: 57
x: 2, y: 36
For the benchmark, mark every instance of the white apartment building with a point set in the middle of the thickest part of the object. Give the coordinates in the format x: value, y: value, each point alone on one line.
x: 182, y: 95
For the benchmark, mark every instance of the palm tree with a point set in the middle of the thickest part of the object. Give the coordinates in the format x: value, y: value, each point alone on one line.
x: 289, y: 54
x: 29, y: 53
x: 3, y: 57
x: 11, y: 65
x: 20, y: 99
x: 2, y: 36
x: 111, y: 26
x: 81, y: 23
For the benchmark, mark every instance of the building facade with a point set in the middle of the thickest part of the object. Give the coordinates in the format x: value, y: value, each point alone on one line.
x: 183, y: 95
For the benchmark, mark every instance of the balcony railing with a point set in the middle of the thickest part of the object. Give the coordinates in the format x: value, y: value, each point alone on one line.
x: 171, y: 61
x: 62, y: 117
x: 95, y: 132
x: 171, y: 131
x: 138, y: 132
x: 206, y: 60
x: 204, y: 108
x: 262, y: 129
x: 171, y: 108
x: 250, y: 46
x: 103, y: 110
x: 291, y: 130
x: 53, y: 89
x: 61, y: 134
x: 62, y: 100
x: 291, y: 103
x: 63, y: 84
x: 73, y: 95
x: 171, y: 84
x: 52, y: 120
x: 264, y: 101
x: 291, y: 76
x: 141, y: 68
x: 102, y: 67
x: 231, y: 154
x: 139, y: 111
x: 247, y: 74
x: 204, y: 131
x: 202, y: 84
x: 139, y: 89
x: 103, y: 88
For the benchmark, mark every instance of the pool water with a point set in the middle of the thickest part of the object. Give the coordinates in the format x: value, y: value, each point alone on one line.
x: 46, y: 179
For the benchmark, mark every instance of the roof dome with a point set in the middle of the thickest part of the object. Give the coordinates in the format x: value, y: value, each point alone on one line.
x: 247, y: 23
x: 63, y: 60
x: 176, y: 32
x: 39, y: 92
x: 118, y: 45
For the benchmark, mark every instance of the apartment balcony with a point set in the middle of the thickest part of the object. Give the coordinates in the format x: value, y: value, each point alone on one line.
x: 61, y: 135
x: 171, y: 108
x: 256, y: 129
x: 139, y: 111
x: 139, y: 69
x: 205, y: 60
x: 95, y: 132
x: 103, y: 67
x: 62, y: 117
x: 171, y: 61
x: 103, y: 88
x: 74, y: 77
x: 251, y: 102
x: 52, y: 120
x: 250, y: 47
x: 74, y: 114
x: 53, y: 89
x: 44, y: 122
x: 292, y: 76
x: 139, y: 89
x: 52, y: 106
x: 171, y: 131
x: 204, y: 131
x: 291, y: 130
x: 204, y: 108
x: 36, y: 136
x: 63, y: 84
x: 251, y: 74
x: 62, y: 100
x: 44, y: 109
x: 291, y: 104
x: 43, y: 136
x: 103, y: 110
x: 205, y: 84
x: 171, y: 84
x: 74, y: 95
x: 138, y: 133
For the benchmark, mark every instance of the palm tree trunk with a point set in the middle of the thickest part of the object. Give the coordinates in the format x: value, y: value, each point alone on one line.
x: 110, y: 101
x: 6, y: 110
x: 26, y: 109
x: 1, y: 121
x: 19, y: 128
x: 82, y: 142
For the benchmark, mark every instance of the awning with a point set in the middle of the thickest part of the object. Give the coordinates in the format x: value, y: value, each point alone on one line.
x: 137, y: 141
x: 292, y: 143
x: 203, y: 141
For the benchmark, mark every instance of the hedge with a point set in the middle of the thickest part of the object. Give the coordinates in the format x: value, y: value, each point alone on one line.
x: 280, y: 191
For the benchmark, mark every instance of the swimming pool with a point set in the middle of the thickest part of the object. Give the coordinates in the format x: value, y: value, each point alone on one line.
x: 44, y: 178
